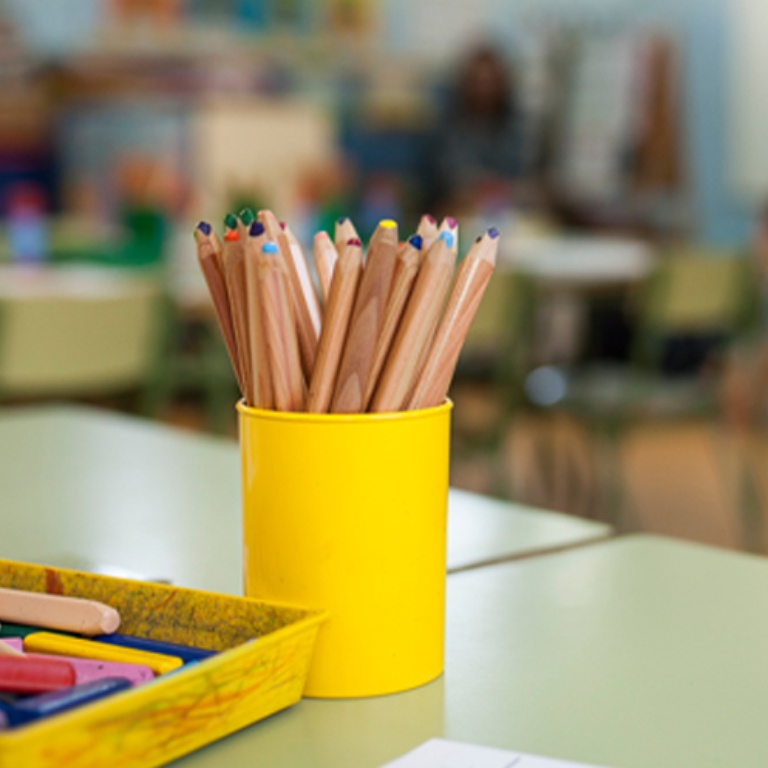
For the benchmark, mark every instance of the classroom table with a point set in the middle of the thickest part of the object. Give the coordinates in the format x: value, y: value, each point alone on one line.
x: 100, y: 491
x: 578, y: 261
x: 631, y: 653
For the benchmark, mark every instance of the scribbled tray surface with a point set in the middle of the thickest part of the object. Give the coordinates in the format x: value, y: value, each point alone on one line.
x: 177, y: 713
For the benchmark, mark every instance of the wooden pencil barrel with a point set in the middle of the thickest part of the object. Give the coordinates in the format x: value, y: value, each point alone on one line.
x: 348, y: 512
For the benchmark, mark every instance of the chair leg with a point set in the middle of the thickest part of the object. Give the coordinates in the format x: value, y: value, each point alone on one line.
x: 743, y: 451
x: 615, y: 503
x: 550, y: 464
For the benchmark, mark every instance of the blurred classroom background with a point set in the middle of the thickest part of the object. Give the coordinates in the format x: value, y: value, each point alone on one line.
x: 617, y: 366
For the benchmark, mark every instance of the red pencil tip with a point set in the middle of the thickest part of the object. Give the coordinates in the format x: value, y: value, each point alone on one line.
x: 232, y: 236
x: 353, y: 241
x: 282, y: 225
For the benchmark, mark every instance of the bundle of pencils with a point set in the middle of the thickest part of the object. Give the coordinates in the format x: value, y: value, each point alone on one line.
x: 384, y: 332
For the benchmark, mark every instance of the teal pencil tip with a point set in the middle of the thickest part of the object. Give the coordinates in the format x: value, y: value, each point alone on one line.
x: 230, y: 221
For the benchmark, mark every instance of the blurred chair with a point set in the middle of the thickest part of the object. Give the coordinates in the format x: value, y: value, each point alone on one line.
x: 80, y: 344
x: 492, y: 365
x: 195, y: 361
x: 693, y: 294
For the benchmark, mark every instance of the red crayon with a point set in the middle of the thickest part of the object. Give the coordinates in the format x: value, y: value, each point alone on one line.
x: 23, y: 675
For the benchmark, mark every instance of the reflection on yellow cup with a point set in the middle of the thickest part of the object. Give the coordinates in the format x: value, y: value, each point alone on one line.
x: 349, y: 513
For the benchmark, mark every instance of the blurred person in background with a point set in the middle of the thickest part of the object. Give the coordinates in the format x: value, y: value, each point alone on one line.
x: 745, y: 378
x: 478, y: 146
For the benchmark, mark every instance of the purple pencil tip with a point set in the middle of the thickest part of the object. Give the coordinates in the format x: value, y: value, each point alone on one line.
x: 204, y: 227
x: 257, y: 228
x: 451, y: 222
x: 493, y: 232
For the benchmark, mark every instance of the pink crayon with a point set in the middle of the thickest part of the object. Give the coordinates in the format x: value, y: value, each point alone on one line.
x: 87, y: 669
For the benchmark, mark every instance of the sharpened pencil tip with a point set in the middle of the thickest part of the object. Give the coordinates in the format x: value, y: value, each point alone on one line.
x: 353, y: 241
x: 430, y: 218
x: 282, y: 225
x: 387, y: 223
x: 204, y: 227
x: 493, y: 233
x: 416, y: 241
x: 232, y: 236
x: 246, y: 216
x: 447, y: 237
x: 342, y: 220
x: 230, y: 221
x: 451, y: 222
x: 257, y: 228
x: 270, y: 247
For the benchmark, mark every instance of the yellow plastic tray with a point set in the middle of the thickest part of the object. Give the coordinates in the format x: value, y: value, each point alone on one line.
x: 177, y: 713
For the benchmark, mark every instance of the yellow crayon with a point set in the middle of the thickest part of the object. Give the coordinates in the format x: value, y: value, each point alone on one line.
x: 61, y: 645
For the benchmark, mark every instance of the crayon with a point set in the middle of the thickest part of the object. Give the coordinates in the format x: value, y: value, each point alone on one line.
x: 47, y: 704
x: 25, y: 675
x: 22, y: 630
x: 184, y: 652
x: 71, y: 614
x: 59, y: 645
x: 87, y: 670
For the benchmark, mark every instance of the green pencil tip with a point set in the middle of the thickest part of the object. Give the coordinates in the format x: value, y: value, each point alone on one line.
x: 247, y: 216
x: 230, y: 221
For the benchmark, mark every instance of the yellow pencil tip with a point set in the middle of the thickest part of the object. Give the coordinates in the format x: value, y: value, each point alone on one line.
x: 388, y: 223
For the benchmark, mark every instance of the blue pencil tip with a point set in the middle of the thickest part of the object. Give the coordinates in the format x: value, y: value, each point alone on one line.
x: 257, y: 228
x: 416, y: 241
x: 493, y: 232
x: 269, y: 247
x: 204, y: 227
x: 447, y: 237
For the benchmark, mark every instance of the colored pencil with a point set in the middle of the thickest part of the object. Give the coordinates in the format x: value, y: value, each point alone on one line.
x: 450, y: 225
x: 307, y: 306
x: 418, y: 324
x: 288, y: 385
x: 271, y: 224
x: 233, y: 261
x: 472, y: 279
x: 366, y: 322
x: 428, y: 231
x: 383, y: 334
x: 209, y: 256
x: 261, y: 381
x: 325, y: 255
x: 338, y: 311
x: 407, y: 264
x: 344, y: 231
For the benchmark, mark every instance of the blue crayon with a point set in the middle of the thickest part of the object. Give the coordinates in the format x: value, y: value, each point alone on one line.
x: 47, y: 704
x: 185, y: 652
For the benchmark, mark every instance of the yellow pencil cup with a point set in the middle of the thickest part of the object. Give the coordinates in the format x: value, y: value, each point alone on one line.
x: 349, y: 513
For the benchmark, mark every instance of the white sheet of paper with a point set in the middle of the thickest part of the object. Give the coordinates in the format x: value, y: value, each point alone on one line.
x: 441, y: 753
